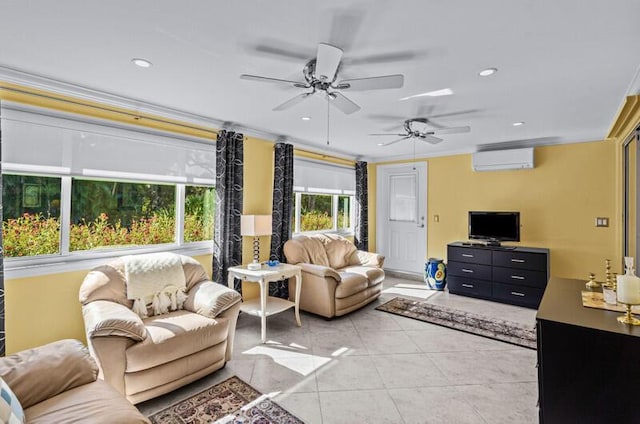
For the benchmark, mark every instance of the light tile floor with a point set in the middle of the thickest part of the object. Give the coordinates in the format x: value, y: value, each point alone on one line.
x: 374, y: 367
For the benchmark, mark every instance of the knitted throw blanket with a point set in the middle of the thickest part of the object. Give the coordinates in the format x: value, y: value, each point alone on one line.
x: 155, y: 282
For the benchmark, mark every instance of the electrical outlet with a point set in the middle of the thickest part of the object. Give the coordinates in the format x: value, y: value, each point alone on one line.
x: 436, y: 218
x: 602, y: 222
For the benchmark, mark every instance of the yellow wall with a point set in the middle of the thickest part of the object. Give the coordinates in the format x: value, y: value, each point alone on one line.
x: 46, y: 308
x: 559, y: 199
x: 257, y: 198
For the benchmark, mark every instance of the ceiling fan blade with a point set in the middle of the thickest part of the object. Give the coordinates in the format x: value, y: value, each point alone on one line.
x: 274, y: 80
x: 430, y: 139
x: 451, y: 130
x: 327, y: 62
x: 385, y: 58
x: 398, y: 135
x: 343, y: 103
x: 345, y: 25
x: 373, y: 83
x: 292, y: 102
x: 394, y: 141
x: 281, y: 52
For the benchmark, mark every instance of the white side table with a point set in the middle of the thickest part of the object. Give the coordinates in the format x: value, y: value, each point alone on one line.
x: 267, y: 305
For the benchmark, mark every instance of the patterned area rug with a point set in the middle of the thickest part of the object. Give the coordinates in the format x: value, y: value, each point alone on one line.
x: 506, y: 331
x: 231, y: 402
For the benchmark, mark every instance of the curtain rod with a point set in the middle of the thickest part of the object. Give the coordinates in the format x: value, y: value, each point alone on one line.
x: 135, y: 116
x: 323, y: 155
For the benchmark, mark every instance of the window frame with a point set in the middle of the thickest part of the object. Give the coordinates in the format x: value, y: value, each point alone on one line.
x: 66, y: 260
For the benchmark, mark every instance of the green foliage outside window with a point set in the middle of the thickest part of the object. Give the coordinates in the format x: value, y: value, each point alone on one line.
x: 315, y: 212
x: 104, y: 214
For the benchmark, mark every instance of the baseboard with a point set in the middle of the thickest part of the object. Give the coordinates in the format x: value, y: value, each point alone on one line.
x: 404, y: 274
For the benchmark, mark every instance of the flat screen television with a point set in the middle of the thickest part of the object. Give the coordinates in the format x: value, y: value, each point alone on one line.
x: 494, y: 227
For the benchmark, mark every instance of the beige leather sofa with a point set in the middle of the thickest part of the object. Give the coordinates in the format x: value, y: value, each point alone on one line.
x: 57, y: 383
x: 145, y: 358
x: 336, y: 277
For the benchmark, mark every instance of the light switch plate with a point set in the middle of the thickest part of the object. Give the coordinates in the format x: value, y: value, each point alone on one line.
x: 602, y: 222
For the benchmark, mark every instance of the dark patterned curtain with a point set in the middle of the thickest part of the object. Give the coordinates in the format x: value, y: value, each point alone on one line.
x: 227, y: 241
x: 2, y: 333
x: 362, y: 213
x: 282, y: 210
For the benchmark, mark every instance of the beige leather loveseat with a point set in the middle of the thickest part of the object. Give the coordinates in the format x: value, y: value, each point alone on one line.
x: 146, y: 357
x: 57, y: 383
x: 336, y: 277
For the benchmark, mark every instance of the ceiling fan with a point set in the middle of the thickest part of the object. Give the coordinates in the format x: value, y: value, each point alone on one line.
x: 418, y: 128
x: 320, y: 76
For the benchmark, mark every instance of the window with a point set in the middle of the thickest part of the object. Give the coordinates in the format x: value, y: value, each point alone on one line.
x: 114, y: 213
x: 344, y: 213
x: 31, y: 215
x: 324, y: 197
x: 103, y: 214
x: 94, y: 187
x: 315, y: 212
x: 199, y: 210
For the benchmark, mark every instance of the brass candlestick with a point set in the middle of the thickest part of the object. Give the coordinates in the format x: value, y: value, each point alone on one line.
x: 592, y: 283
x: 628, y: 318
x: 607, y: 269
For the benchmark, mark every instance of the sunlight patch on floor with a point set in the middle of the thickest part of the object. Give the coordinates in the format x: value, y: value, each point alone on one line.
x: 413, y: 290
x: 301, y: 362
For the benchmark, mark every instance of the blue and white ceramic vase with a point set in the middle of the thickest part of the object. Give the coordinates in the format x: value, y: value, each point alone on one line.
x: 435, y: 274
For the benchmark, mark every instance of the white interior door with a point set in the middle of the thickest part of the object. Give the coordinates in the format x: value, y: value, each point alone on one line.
x: 401, y: 231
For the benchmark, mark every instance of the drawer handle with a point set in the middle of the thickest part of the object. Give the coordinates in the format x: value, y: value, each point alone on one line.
x: 517, y: 294
x: 469, y: 286
x: 520, y: 261
x: 466, y: 255
x: 517, y: 277
x: 470, y: 271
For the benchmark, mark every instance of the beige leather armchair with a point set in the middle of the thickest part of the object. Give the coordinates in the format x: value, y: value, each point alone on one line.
x: 57, y: 383
x: 336, y: 277
x: 146, y: 357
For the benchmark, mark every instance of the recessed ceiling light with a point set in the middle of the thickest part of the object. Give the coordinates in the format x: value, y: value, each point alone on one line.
x: 143, y: 63
x: 517, y: 124
x: 306, y: 118
x: 436, y: 93
x: 380, y: 144
x: 487, y: 72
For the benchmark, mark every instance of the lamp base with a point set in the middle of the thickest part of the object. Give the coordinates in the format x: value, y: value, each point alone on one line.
x: 254, y: 266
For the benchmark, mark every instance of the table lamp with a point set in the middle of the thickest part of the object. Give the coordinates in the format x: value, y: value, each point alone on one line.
x: 255, y: 226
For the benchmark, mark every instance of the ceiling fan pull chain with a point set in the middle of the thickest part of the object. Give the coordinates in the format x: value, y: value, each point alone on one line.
x: 328, y: 112
x: 414, y: 154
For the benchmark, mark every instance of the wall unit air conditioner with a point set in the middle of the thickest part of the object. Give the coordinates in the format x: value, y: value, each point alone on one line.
x: 497, y: 160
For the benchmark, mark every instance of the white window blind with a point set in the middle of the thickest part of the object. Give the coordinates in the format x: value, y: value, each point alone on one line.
x: 34, y: 141
x: 316, y: 177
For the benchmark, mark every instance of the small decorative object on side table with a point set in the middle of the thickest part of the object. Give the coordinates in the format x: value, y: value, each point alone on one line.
x: 628, y: 292
x: 267, y: 305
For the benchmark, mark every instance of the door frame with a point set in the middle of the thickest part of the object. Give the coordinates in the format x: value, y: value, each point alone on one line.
x: 382, y: 211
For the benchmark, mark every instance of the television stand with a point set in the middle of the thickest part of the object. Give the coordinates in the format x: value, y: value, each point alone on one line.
x: 509, y: 274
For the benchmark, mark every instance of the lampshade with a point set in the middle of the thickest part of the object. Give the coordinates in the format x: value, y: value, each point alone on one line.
x: 255, y: 225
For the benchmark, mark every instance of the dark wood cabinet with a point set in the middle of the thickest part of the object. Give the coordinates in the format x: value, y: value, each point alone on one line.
x: 587, y: 361
x: 516, y: 275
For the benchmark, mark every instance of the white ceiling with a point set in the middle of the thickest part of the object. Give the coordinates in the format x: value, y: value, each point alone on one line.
x: 565, y: 66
